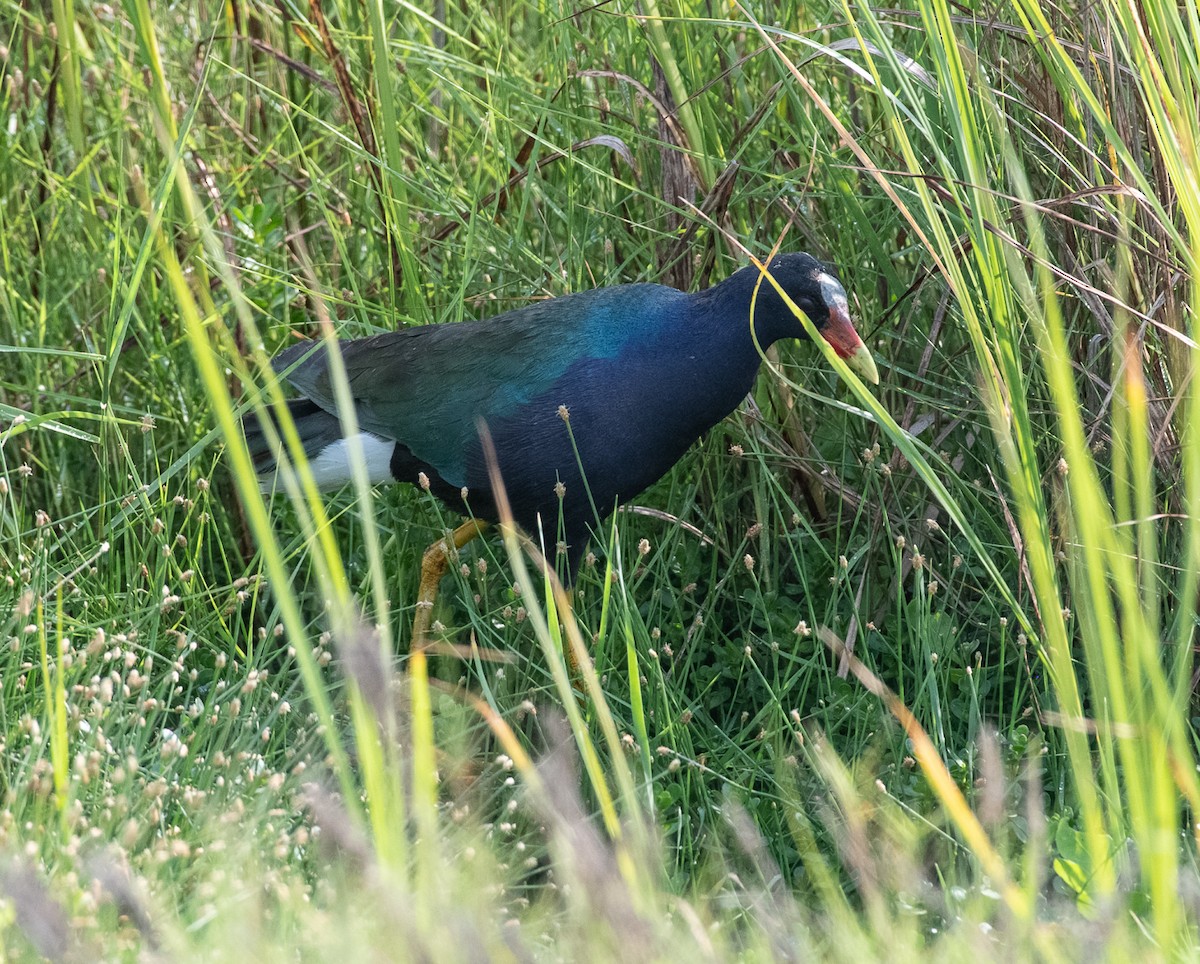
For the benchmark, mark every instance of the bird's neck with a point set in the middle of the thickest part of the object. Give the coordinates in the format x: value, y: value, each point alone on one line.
x: 725, y: 312
x: 718, y: 356
x: 755, y: 319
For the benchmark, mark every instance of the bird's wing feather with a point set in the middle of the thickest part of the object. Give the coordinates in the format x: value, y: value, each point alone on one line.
x: 426, y: 387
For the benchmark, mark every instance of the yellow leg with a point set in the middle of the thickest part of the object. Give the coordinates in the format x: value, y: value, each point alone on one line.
x: 433, y: 566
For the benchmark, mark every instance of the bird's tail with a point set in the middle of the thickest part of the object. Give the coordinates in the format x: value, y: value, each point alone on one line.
x: 315, y: 426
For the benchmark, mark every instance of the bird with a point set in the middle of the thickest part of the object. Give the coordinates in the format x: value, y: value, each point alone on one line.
x: 585, y: 399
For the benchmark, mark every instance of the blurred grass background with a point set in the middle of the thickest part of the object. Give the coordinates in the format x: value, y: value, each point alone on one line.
x: 882, y: 675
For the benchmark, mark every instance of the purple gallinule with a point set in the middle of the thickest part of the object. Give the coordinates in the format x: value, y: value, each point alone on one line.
x: 588, y: 398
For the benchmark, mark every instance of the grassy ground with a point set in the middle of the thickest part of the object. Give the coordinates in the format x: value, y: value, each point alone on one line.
x: 212, y: 739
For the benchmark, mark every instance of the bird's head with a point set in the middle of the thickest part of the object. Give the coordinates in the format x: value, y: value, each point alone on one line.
x: 817, y: 292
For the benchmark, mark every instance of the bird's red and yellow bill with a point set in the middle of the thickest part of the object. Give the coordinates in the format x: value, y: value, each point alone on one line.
x: 839, y: 331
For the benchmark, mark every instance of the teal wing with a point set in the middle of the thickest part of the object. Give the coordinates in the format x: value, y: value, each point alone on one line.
x: 427, y: 387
